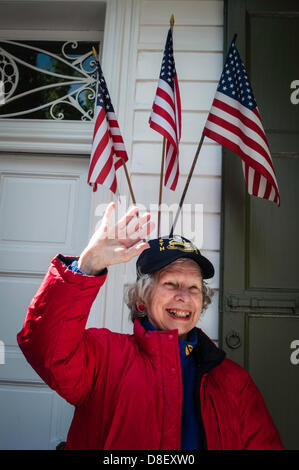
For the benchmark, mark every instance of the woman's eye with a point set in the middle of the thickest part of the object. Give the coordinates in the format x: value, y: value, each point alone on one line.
x: 195, y: 289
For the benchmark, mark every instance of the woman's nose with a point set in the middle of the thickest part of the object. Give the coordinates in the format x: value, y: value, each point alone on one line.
x: 181, y: 293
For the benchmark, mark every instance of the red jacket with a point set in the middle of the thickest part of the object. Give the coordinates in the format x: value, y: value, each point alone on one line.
x: 127, y: 389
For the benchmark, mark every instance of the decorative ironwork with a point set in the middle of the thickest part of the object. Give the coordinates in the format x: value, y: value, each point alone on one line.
x: 65, y: 79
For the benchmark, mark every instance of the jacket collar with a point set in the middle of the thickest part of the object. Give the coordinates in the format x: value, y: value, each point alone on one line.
x: 149, y: 340
x: 207, y: 354
x: 185, y: 346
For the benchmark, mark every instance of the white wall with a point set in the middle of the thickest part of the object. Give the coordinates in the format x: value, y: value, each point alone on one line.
x: 198, y: 50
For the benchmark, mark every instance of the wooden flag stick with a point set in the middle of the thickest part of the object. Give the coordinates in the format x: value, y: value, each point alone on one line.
x: 187, y: 182
x: 161, y: 184
x: 171, y: 22
x: 124, y: 163
x: 129, y: 183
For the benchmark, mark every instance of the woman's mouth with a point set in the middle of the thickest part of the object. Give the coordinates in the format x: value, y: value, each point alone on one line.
x: 181, y: 314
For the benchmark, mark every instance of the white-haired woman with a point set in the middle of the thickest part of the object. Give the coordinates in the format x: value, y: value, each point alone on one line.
x: 166, y: 386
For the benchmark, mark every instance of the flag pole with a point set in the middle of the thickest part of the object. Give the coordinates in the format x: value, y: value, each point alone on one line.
x: 129, y: 183
x: 161, y: 185
x: 171, y: 22
x: 187, y: 182
x: 124, y: 163
x: 190, y: 174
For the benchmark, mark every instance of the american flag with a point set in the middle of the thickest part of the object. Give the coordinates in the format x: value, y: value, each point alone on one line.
x: 108, y: 150
x: 234, y: 122
x: 165, y: 117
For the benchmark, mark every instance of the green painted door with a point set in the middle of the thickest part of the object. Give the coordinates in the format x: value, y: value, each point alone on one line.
x: 259, y: 303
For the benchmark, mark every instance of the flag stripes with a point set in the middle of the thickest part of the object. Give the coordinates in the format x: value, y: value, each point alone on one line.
x: 166, y: 114
x: 108, y: 150
x: 246, y: 141
x: 234, y: 122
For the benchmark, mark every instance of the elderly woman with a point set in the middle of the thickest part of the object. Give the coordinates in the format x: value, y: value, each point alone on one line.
x: 166, y: 386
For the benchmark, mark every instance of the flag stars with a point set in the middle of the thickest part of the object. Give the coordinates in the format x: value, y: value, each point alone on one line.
x: 168, y: 71
x: 103, y: 98
x: 234, y: 81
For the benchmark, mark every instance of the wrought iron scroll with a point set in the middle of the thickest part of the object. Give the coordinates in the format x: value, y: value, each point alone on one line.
x: 84, y: 79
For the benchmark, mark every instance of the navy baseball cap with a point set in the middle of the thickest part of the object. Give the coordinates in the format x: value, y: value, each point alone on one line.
x: 165, y: 250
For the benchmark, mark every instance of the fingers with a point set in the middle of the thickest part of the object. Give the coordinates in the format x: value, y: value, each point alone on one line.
x: 121, y: 225
x: 138, y: 245
x: 127, y: 230
x: 131, y: 230
x: 107, y: 217
x: 135, y: 250
x: 144, y: 231
x: 137, y: 225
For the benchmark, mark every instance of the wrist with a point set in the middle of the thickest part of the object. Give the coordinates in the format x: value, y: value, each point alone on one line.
x: 86, y: 265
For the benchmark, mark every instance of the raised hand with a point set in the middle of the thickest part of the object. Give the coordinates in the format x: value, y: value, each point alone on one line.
x: 115, y: 243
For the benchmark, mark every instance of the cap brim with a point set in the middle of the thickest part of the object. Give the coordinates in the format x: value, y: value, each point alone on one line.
x: 207, y: 269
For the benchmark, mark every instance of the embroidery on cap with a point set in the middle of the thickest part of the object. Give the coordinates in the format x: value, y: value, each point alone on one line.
x: 161, y: 243
x: 178, y: 243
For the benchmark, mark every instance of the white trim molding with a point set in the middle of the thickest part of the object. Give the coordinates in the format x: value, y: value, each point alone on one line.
x: 67, y: 137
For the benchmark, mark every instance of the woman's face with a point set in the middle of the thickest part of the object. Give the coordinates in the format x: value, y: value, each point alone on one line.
x: 176, y: 298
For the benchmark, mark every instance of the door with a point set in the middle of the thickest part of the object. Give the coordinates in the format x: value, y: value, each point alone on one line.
x: 259, y: 306
x: 42, y: 198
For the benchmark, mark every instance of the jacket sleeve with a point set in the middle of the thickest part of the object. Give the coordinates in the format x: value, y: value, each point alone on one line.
x: 258, y: 431
x: 53, y: 338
